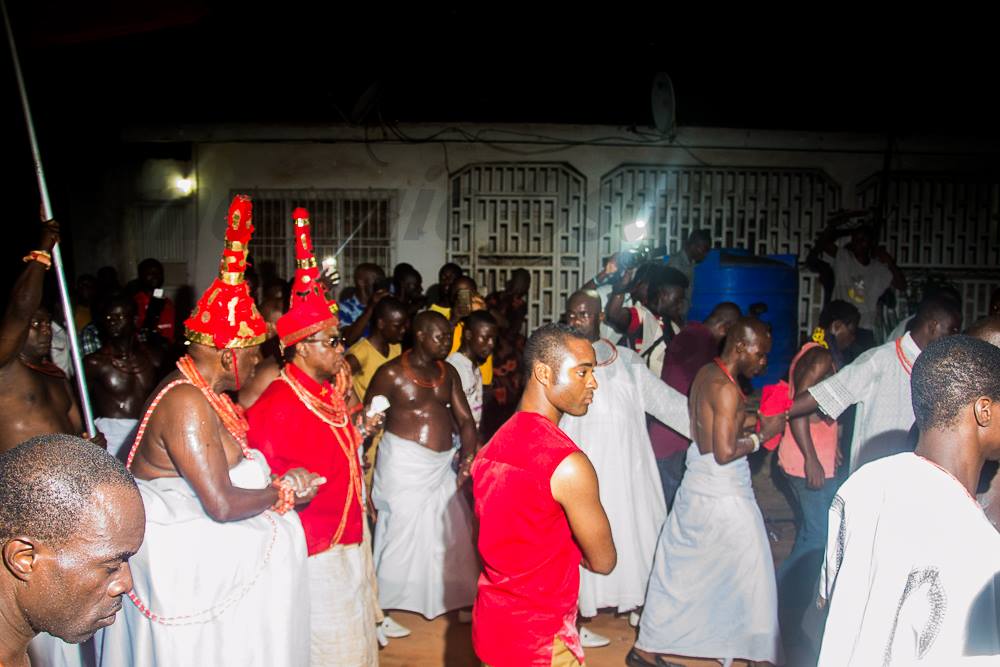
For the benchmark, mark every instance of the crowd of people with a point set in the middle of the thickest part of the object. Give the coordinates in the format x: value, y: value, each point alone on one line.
x: 289, y: 463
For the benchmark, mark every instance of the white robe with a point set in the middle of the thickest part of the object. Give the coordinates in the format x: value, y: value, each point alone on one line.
x: 234, y: 593
x: 878, y: 384
x: 912, y: 571
x: 614, y: 437
x: 344, y: 607
x: 48, y: 651
x: 712, y: 592
x: 425, y: 554
x: 118, y: 432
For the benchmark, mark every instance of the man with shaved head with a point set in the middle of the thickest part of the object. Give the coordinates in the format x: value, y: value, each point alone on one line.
x: 878, y: 382
x: 613, y: 435
x: 70, y: 519
x: 424, y: 552
x: 712, y: 591
x: 987, y: 328
x: 912, y: 571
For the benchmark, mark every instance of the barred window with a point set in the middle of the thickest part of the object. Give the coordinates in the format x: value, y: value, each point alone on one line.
x: 356, y: 225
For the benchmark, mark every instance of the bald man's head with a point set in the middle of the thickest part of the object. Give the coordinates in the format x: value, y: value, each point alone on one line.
x: 432, y: 333
x: 70, y: 517
x: 722, y: 317
x: 583, y: 313
x: 747, y: 345
x: 988, y: 329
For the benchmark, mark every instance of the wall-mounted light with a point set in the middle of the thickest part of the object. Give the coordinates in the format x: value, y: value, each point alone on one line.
x: 184, y: 185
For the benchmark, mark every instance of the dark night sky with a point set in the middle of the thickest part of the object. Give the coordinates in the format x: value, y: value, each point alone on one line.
x: 192, y: 60
x: 94, y: 68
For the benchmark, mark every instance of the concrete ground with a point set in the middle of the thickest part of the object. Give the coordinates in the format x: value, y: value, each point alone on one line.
x: 444, y: 642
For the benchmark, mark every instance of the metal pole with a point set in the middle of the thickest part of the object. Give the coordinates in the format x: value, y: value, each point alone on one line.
x: 74, y: 343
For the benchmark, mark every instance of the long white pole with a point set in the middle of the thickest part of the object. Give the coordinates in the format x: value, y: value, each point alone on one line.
x: 74, y: 343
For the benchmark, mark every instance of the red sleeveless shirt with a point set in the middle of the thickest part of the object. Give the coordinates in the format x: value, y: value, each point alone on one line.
x: 530, y: 583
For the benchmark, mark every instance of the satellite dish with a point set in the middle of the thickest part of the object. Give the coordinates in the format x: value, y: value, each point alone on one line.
x: 664, y: 105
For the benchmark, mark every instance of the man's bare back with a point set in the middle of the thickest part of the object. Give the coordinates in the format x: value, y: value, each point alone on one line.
x: 716, y: 403
x: 183, y: 410
x: 266, y: 373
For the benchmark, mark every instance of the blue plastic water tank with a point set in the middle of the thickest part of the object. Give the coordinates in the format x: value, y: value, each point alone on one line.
x: 736, y: 275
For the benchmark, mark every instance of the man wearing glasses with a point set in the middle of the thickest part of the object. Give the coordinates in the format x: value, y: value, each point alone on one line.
x: 302, y: 420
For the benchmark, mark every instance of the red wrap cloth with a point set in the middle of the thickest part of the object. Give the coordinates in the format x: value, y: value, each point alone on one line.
x: 530, y: 583
x: 290, y: 436
x: 774, y: 400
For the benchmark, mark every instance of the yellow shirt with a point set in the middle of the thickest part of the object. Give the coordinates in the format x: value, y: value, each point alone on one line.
x: 370, y: 359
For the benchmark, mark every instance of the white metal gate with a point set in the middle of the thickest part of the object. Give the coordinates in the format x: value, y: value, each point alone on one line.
x: 943, y: 224
x: 765, y: 210
x: 505, y: 216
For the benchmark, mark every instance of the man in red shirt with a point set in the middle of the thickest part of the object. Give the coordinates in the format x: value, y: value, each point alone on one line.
x: 301, y: 420
x: 696, y: 345
x: 540, y: 514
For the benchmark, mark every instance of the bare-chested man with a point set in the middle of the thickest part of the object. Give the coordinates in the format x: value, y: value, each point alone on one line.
x: 220, y: 578
x: 122, y: 373
x: 416, y: 489
x: 712, y: 591
x: 35, y: 397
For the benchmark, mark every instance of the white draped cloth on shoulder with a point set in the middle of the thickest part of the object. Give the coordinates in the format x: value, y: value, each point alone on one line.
x: 233, y: 593
x: 614, y: 437
x: 912, y: 570
x: 425, y: 556
x: 712, y: 592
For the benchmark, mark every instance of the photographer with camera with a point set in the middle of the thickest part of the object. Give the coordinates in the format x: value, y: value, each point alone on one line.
x: 639, y: 319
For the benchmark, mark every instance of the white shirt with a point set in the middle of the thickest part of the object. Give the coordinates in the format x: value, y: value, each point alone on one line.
x: 860, y: 284
x: 472, y: 382
x: 880, y: 386
x: 912, y: 570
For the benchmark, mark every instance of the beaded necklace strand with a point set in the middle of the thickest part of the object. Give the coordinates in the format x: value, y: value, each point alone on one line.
x: 721, y: 364
x: 236, y: 424
x: 408, y: 371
